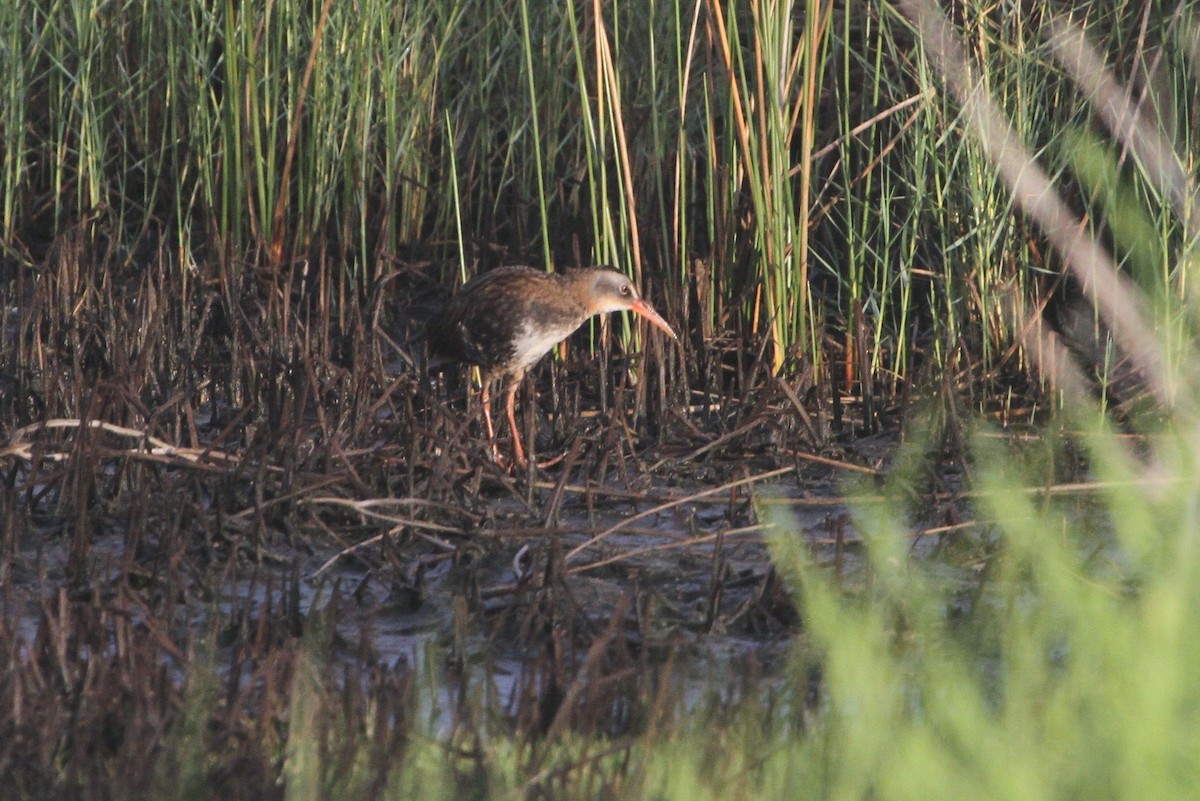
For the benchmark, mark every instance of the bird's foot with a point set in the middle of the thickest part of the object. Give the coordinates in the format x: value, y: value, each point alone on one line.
x: 502, y: 461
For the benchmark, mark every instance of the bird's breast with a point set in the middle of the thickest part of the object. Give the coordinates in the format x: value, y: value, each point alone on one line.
x: 533, y: 340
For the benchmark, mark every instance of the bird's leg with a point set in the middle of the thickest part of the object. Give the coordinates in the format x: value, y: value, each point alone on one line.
x: 486, y: 398
x: 518, y: 450
x: 510, y: 403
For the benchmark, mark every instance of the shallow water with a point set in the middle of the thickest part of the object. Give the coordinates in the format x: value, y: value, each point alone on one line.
x: 701, y: 590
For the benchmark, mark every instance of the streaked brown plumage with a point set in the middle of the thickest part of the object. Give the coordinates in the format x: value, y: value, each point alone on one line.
x: 507, y: 319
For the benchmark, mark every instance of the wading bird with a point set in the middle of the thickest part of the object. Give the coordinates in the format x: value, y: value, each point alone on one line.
x: 506, y: 319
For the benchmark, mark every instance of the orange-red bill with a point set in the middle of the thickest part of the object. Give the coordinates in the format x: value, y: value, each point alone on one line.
x: 644, y: 309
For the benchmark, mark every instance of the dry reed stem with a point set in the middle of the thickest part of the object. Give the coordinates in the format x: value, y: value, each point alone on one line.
x: 689, y: 542
x: 592, y: 665
x: 275, y: 247
x: 870, y: 122
x: 596, y: 540
x: 159, y: 450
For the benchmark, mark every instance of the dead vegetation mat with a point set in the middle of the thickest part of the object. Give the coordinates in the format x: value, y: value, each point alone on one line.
x: 198, y: 494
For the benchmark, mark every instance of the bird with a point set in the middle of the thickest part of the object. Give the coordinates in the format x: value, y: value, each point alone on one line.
x: 506, y: 319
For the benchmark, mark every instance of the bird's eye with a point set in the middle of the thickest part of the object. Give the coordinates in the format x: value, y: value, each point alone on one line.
x: 626, y: 289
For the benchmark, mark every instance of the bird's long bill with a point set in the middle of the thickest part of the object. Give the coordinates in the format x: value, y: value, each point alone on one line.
x: 644, y: 309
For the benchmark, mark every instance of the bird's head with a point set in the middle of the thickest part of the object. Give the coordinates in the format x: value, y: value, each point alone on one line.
x: 608, y: 290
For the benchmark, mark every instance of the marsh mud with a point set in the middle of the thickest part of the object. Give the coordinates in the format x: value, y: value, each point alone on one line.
x: 532, y: 589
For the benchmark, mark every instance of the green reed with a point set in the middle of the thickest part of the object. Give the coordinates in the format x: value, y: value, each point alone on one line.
x: 774, y: 168
x: 13, y: 111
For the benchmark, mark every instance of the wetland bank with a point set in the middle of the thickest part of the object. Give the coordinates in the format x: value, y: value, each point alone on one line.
x: 907, y: 511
